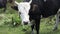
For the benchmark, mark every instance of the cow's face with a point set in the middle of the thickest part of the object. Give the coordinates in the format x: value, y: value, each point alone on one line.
x: 24, y: 12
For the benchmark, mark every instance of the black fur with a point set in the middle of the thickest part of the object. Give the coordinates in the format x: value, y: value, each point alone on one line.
x: 46, y: 9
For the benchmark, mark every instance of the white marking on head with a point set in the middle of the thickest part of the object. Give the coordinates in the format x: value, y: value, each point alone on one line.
x: 24, y: 8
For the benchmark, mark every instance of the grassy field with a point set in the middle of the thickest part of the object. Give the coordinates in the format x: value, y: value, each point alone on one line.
x: 7, y: 28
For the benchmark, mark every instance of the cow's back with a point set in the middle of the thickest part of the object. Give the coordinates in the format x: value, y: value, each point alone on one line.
x: 50, y: 7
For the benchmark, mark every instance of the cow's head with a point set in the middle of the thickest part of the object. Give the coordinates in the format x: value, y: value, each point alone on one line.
x: 23, y: 9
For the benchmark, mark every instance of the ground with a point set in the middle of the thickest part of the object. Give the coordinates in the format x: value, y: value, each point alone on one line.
x: 7, y: 28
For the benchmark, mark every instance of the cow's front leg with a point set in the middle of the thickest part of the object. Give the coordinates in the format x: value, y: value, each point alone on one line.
x: 32, y: 26
x: 37, y: 25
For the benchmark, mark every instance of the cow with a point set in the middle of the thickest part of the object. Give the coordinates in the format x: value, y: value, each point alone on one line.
x: 32, y: 12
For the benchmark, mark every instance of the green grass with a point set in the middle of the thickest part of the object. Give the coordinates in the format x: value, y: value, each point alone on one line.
x: 6, y: 27
x: 44, y: 29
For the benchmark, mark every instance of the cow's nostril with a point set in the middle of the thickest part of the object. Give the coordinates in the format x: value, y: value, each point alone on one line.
x: 25, y: 23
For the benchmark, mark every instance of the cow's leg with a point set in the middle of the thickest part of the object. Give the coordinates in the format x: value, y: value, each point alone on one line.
x: 57, y: 22
x: 32, y: 27
x: 37, y: 24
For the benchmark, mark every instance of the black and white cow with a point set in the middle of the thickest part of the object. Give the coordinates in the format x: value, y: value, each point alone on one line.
x: 32, y: 11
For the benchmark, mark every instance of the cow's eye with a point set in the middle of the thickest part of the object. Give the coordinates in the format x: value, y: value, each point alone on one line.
x: 19, y: 12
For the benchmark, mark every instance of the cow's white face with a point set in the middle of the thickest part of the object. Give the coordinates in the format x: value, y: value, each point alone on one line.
x: 24, y: 12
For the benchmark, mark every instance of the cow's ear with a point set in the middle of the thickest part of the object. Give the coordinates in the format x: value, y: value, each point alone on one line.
x: 15, y: 7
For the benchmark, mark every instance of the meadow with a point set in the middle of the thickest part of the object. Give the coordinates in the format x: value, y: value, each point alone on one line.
x: 7, y: 28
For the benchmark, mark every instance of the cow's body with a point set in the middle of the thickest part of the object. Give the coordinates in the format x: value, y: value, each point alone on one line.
x: 45, y: 8
x: 50, y: 7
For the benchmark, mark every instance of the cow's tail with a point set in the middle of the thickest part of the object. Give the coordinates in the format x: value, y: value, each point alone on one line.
x: 30, y: 1
x: 16, y: 2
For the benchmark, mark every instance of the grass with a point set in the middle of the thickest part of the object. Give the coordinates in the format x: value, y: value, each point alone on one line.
x: 44, y: 29
x: 6, y: 27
